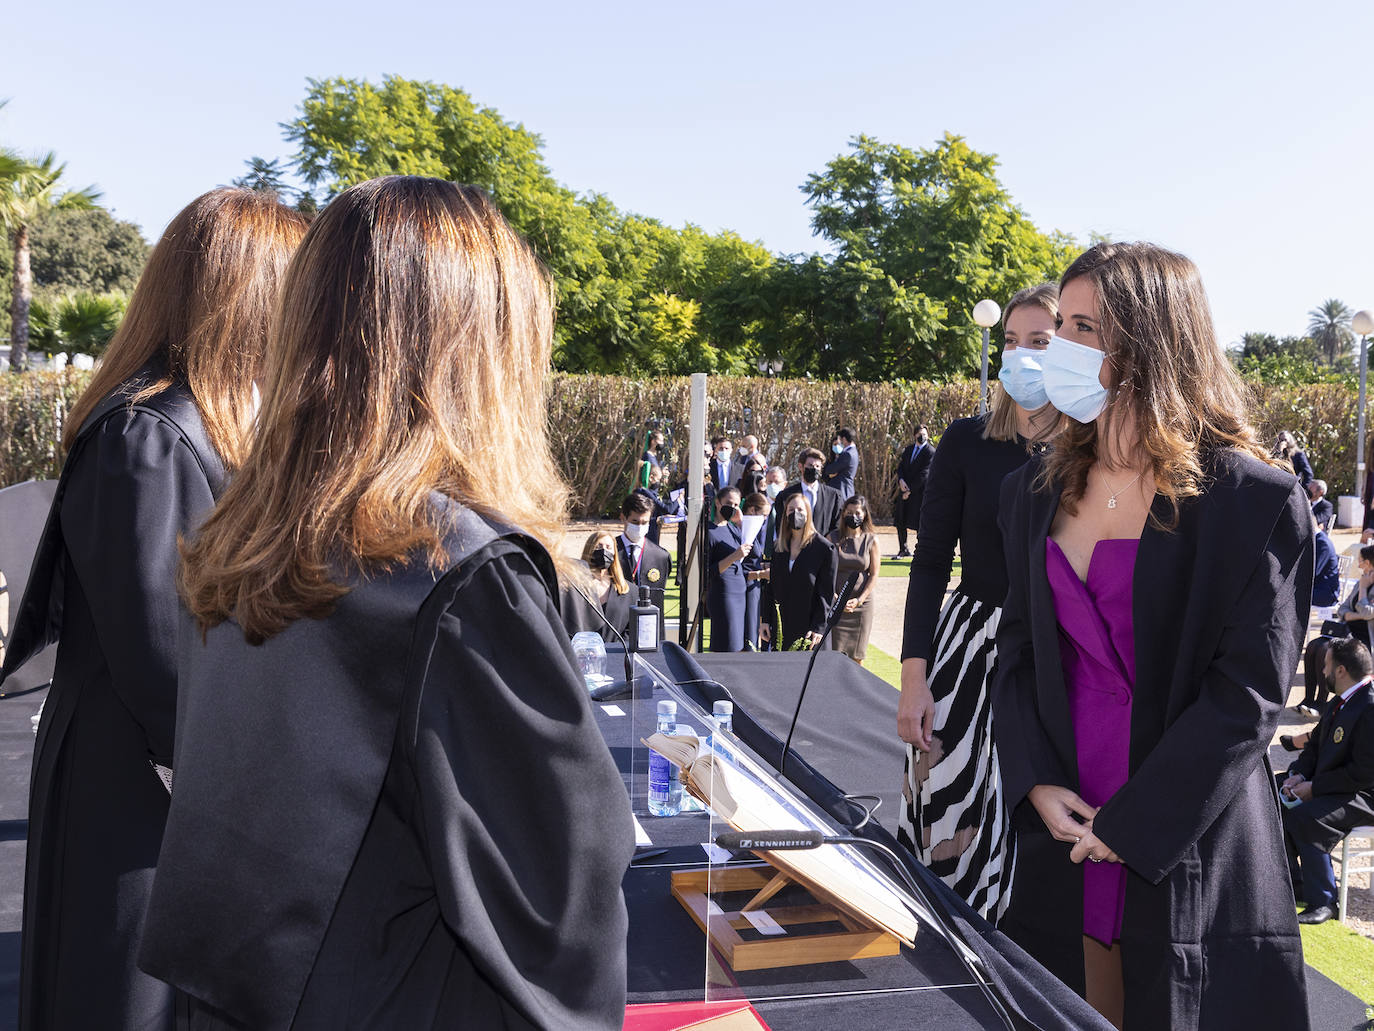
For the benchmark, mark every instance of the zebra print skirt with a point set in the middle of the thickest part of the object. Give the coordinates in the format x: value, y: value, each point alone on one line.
x: 954, y: 819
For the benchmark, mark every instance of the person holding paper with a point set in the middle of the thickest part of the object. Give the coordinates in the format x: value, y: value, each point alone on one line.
x: 856, y: 551
x: 757, y: 508
x: 726, y: 548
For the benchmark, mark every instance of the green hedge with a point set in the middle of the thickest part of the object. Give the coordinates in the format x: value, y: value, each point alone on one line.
x: 597, y: 424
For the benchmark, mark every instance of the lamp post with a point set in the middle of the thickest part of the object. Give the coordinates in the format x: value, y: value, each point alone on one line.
x: 985, y: 313
x: 1363, y: 324
x: 770, y: 367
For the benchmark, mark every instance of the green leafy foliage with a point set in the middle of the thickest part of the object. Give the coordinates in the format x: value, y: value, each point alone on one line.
x: 79, y: 323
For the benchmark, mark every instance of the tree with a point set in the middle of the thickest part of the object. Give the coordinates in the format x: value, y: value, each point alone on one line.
x: 86, y: 249
x: 79, y: 323
x: 1329, y: 326
x: 920, y: 237
x: 264, y: 176
x: 28, y: 192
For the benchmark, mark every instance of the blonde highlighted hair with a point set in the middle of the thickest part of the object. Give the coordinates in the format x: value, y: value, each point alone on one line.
x: 202, y: 310
x: 1003, y: 421
x: 412, y: 343
x: 785, y: 531
x: 618, y: 581
x: 1166, y: 370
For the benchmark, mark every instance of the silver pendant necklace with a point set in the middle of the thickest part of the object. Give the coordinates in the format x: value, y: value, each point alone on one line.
x: 1111, y: 501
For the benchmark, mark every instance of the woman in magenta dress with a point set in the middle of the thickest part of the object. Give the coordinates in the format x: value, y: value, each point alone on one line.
x: 1160, y: 572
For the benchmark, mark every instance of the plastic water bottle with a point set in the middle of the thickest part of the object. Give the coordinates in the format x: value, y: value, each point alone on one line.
x: 723, y: 715
x: 590, y: 652
x: 665, y: 790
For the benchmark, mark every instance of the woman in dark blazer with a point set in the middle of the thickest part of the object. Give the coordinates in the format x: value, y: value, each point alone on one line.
x: 386, y: 757
x: 148, y: 443
x: 725, y: 594
x: 801, y: 576
x: 600, y: 595
x: 1198, y: 636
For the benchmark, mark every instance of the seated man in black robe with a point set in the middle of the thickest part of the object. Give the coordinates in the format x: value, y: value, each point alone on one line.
x: 1330, y: 786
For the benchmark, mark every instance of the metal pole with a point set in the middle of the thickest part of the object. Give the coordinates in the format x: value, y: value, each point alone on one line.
x: 1359, y: 434
x: 983, y: 382
x: 696, y: 473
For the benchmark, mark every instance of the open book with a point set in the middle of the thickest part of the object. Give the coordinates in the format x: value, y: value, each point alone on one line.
x: 749, y: 799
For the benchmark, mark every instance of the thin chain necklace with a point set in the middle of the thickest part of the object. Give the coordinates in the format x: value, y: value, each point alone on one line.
x: 1111, y: 501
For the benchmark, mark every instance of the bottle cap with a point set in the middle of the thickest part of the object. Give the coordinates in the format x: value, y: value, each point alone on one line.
x: 667, y: 708
x: 723, y: 708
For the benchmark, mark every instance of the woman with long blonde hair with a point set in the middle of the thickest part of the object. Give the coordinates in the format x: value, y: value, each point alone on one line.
x: 393, y: 808
x: 801, y: 577
x: 168, y: 411
x: 1160, y: 566
x: 599, y: 581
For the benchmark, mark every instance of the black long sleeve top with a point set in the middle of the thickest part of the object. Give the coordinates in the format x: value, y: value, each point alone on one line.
x: 960, y: 508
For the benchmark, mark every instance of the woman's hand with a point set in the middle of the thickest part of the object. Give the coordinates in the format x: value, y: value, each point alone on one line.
x: 916, y: 706
x: 765, y: 634
x: 852, y: 605
x: 1091, y: 847
x: 812, y: 638
x: 1058, y: 807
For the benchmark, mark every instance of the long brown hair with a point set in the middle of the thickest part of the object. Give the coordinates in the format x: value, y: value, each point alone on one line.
x: 202, y: 310
x: 410, y: 350
x: 618, y: 580
x: 1166, y: 370
x: 1003, y: 422
x: 785, y: 531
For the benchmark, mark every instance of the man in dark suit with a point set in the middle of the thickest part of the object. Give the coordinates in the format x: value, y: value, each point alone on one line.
x: 1322, y: 510
x: 826, y: 502
x: 912, y: 469
x: 641, y: 560
x: 1330, y: 786
x: 721, y: 463
x: 841, y: 471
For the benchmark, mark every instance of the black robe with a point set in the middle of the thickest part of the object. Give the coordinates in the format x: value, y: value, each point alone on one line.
x: 399, y: 816
x: 1209, y: 937
x: 804, y: 592
x: 103, y: 584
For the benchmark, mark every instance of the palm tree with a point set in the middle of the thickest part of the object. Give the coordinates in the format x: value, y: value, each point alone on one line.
x: 80, y: 323
x: 1329, y: 327
x: 28, y: 189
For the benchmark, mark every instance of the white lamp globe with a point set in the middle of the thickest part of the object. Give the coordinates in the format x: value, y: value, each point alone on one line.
x: 1363, y: 322
x: 986, y: 313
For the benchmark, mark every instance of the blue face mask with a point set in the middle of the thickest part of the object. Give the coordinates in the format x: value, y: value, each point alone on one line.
x: 1071, y: 379
x: 837, y: 448
x: 1022, y: 378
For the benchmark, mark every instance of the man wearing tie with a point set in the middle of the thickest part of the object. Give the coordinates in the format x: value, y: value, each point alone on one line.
x: 1330, y: 786
x: 841, y: 471
x: 825, y: 501
x: 912, y: 470
x: 641, y: 560
x: 721, y: 463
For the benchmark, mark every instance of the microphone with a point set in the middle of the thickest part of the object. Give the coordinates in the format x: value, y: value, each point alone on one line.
x: 791, y: 840
x: 835, y: 614
x: 615, y: 687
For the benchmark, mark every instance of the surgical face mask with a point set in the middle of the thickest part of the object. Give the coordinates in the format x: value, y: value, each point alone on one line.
x: 1022, y: 377
x: 798, y: 519
x: 837, y: 448
x: 723, y: 454
x: 811, y: 474
x: 602, y: 558
x: 773, y: 490
x: 854, y: 520
x: 634, y: 532
x: 1071, y: 379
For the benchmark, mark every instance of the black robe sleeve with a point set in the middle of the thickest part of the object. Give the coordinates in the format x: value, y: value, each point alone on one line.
x: 1217, y: 741
x: 135, y: 488
x: 524, y: 816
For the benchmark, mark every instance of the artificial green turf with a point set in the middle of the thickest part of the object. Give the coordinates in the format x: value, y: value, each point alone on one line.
x: 1342, y: 954
x: 902, y: 567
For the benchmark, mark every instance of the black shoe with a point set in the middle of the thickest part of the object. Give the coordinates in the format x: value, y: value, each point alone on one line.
x: 1286, y: 740
x: 1319, y: 915
x: 904, y: 553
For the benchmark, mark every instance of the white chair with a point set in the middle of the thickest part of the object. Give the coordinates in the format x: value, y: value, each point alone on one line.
x: 1355, y: 855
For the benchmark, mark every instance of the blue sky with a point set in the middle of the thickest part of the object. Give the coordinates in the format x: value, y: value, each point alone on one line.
x: 1240, y: 134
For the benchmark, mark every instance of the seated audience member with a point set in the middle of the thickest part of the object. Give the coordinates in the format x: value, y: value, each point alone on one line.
x: 840, y: 471
x: 1322, y: 510
x: 1326, y: 584
x: 801, y: 576
x: 755, y: 504
x: 726, y: 584
x: 856, y: 551
x: 641, y: 560
x: 1357, y: 609
x: 823, y: 502
x: 605, y: 586
x: 1332, y: 781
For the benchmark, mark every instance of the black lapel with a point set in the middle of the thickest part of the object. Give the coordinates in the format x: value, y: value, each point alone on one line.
x: 1053, y: 696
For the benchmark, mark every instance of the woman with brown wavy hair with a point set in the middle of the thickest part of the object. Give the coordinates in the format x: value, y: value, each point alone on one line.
x: 1161, y: 571
x: 168, y: 411
x: 393, y: 808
